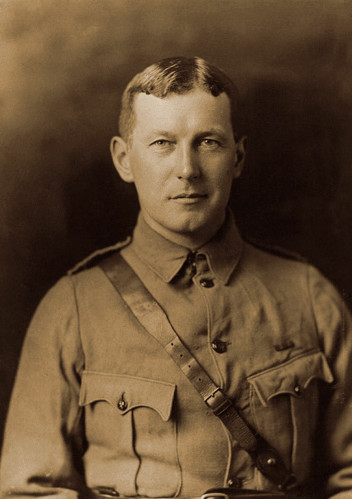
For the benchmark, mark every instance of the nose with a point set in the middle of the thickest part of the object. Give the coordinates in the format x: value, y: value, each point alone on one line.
x: 187, y: 167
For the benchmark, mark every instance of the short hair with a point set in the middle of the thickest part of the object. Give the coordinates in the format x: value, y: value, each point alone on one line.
x: 176, y: 75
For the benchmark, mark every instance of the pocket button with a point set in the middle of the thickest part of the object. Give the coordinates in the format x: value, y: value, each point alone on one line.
x: 206, y: 283
x: 122, y: 404
x: 298, y: 390
x: 234, y: 482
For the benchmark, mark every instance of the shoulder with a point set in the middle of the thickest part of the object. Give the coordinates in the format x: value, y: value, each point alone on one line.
x: 274, y: 261
x: 274, y: 250
x: 60, y: 302
x: 97, y: 256
x: 282, y: 272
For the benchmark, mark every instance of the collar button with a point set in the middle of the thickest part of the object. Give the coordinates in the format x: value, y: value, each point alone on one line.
x: 201, y: 256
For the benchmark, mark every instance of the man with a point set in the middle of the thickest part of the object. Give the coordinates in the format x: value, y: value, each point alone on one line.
x: 104, y: 404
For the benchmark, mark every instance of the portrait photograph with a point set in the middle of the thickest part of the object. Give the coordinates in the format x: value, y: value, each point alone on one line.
x: 176, y: 225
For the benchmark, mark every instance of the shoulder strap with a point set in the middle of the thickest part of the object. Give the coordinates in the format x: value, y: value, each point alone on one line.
x: 155, y: 322
x: 97, y: 256
x: 276, y: 250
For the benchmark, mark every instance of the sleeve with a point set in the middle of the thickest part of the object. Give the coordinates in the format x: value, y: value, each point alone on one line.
x: 334, y: 325
x: 43, y: 441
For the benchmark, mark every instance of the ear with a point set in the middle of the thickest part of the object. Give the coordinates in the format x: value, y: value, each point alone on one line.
x: 241, y: 147
x: 119, y: 154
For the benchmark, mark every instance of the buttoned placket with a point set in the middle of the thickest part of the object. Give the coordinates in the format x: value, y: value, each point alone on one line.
x: 208, y: 285
x: 196, y: 272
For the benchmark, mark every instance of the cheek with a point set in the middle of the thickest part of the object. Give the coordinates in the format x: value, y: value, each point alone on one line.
x: 143, y: 174
x: 222, y: 178
x: 149, y: 187
x: 148, y: 169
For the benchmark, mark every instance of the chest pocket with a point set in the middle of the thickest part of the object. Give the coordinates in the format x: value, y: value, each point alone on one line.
x: 285, y: 407
x: 130, y: 423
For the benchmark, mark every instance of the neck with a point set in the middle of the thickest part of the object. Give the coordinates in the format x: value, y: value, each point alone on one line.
x: 190, y: 240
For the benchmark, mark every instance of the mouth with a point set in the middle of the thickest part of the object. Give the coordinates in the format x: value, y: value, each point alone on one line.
x: 189, y: 195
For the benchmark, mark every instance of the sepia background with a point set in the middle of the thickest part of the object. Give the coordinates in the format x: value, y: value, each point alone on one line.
x: 63, y: 67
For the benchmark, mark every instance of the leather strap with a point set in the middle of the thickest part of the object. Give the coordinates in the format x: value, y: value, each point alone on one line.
x: 155, y: 322
x: 231, y: 494
x: 240, y: 494
x: 219, y: 493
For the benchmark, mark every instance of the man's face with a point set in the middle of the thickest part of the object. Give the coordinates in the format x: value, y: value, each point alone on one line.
x: 182, y: 159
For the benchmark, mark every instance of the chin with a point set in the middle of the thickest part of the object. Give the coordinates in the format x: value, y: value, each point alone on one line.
x: 194, y: 225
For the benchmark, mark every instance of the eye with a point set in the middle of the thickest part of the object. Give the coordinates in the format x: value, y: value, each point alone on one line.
x: 161, y: 143
x: 209, y: 143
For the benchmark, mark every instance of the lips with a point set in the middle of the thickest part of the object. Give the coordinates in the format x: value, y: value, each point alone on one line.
x: 188, y: 195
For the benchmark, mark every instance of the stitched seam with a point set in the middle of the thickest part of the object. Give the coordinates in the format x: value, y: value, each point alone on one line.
x: 279, y: 366
x: 177, y: 457
x: 147, y: 380
x: 139, y: 459
x: 79, y: 410
x: 209, y: 335
x: 294, y: 426
x: 229, y: 455
x: 310, y: 299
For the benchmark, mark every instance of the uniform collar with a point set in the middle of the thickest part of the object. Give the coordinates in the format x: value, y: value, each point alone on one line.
x: 165, y: 258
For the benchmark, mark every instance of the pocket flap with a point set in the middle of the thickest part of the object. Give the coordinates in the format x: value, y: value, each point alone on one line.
x: 292, y: 377
x: 127, y: 392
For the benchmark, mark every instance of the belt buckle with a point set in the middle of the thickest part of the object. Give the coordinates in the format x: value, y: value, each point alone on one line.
x: 228, y: 493
x: 102, y: 491
x: 214, y: 494
x: 217, y: 402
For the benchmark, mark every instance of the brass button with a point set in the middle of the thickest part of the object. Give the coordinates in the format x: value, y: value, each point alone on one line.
x: 271, y: 461
x: 206, y: 283
x: 234, y: 482
x: 122, y: 404
x: 219, y: 346
x: 298, y: 390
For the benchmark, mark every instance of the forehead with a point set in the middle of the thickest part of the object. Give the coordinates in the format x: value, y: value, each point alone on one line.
x: 194, y: 109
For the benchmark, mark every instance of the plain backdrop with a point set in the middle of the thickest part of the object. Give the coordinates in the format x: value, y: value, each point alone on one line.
x: 63, y: 67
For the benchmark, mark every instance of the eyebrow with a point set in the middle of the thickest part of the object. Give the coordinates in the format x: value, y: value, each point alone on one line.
x: 154, y: 133
x: 170, y: 135
x: 212, y: 131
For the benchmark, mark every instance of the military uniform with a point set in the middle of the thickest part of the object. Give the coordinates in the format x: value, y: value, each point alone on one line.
x: 99, y: 403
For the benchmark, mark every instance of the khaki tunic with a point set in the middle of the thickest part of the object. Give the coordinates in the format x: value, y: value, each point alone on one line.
x: 98, y: 402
